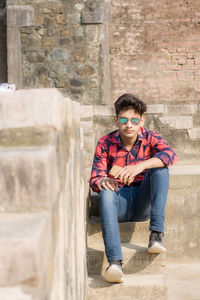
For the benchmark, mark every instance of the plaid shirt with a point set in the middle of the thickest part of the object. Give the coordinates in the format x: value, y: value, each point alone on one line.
x: 110, y: 151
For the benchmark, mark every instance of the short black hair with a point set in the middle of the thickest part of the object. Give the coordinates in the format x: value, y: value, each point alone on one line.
x: 128, y: 101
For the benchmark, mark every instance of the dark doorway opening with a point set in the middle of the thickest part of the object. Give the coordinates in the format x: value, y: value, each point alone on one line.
x: 3, y: 44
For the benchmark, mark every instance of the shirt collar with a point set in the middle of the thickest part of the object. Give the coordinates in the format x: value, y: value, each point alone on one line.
x: 117, y: 138
x: 140, y: 134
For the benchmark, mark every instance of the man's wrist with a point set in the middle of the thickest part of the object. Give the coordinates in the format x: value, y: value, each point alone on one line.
x: 143, y: 165
x: 102, y: 180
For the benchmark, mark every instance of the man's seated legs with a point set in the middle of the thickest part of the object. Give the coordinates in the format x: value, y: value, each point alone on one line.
x: 133, y: 204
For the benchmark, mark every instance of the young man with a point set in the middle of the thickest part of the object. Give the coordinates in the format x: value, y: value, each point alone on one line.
x: 138, y: 190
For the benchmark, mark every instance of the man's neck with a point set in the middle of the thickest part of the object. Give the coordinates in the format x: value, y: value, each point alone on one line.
x: 128, y: 143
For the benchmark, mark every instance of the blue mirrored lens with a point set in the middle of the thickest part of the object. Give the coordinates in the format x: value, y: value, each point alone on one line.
x: 135, y: 121
x: 123, y: 120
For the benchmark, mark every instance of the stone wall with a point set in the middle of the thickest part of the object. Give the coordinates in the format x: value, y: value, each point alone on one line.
x: 42, y: 202
x: 61, y: 45
x: 154, y: 50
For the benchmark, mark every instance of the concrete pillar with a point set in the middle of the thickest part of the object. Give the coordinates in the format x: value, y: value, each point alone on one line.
x: 17, y: 16
x: 99, y: 13
x: 106, y: 89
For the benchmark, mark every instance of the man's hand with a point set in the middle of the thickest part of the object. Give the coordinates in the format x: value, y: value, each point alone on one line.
x: 128, y: 173
x: 108, y: 183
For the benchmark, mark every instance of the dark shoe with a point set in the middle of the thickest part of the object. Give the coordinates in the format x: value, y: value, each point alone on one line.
x: 114, y: 272
x: 155, y: 243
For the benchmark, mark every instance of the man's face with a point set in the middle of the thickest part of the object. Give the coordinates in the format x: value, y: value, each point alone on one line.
x: 129, y: 123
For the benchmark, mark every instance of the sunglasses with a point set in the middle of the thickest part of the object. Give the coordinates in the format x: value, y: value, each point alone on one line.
x: 134, y: 121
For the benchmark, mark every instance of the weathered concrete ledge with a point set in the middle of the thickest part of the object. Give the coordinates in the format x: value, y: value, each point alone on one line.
x: 108, y: 110
x: 32, y: 108
x: 194, y: 133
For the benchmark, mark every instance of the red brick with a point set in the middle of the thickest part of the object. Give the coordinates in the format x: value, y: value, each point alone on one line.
x: 190, y: 62
x: 181, y: 61
x: 180, y: 50
x: 116, y: 2
x: 189, y: 67
x: 197, y: 55
x: 172, y: 50
x: 174, y: 67
x: 191, y: 50
x: 162, y: 61
x: 127, y: 3
x: 173, y: 62
x: 190, y: 55
x: 179, y: 56
x: 184, y: 74
x: 185, y: 78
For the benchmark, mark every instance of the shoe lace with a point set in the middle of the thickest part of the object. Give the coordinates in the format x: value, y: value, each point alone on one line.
x: 156, y: 236
x: 116, y: 262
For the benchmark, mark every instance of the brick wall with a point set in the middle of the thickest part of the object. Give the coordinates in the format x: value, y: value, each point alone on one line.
x: 155, y: 50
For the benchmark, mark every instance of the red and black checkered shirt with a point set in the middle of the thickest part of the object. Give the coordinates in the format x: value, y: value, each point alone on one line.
x: 110, y: 151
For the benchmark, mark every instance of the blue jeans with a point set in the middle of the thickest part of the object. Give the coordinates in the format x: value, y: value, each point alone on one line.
x: 133, y: 204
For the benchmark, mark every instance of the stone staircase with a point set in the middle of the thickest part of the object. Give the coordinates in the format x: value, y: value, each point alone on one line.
x: 41, y: 208
x: 145, y: 276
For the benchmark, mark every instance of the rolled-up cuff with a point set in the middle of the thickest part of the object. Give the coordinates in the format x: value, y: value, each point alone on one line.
x: 166, y: 159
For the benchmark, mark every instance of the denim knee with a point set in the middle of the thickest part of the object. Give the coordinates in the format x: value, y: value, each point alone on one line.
x: 160, y: 171
x: 107, y: 197
x: 108, y: 203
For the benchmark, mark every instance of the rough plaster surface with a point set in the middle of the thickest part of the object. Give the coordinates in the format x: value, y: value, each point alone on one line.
x: 26, y: 177
x: 24, y: 239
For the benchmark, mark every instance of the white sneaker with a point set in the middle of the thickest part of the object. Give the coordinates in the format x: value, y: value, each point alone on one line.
x: 114, y: 272
x: 155, y: 243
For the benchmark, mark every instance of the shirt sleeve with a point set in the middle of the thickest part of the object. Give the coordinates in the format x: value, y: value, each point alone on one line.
x: 99, y: 167
x: 161, y: 149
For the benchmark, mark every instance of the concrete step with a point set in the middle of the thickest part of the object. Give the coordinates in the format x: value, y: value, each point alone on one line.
x: 183, y: 280
x: 135, y: 286
x: 182, y: 224
x: 130, y: 232
x: 136, y: 259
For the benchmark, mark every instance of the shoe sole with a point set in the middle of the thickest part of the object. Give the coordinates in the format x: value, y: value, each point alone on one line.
x: 156, y: 248
x: 113, y: 274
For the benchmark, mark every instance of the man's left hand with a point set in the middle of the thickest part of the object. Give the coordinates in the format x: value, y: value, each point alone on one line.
x: 128, y: 173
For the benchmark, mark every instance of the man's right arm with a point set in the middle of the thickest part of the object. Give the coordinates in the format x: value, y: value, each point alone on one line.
x: 99, y: 179
x: 99, y: 167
